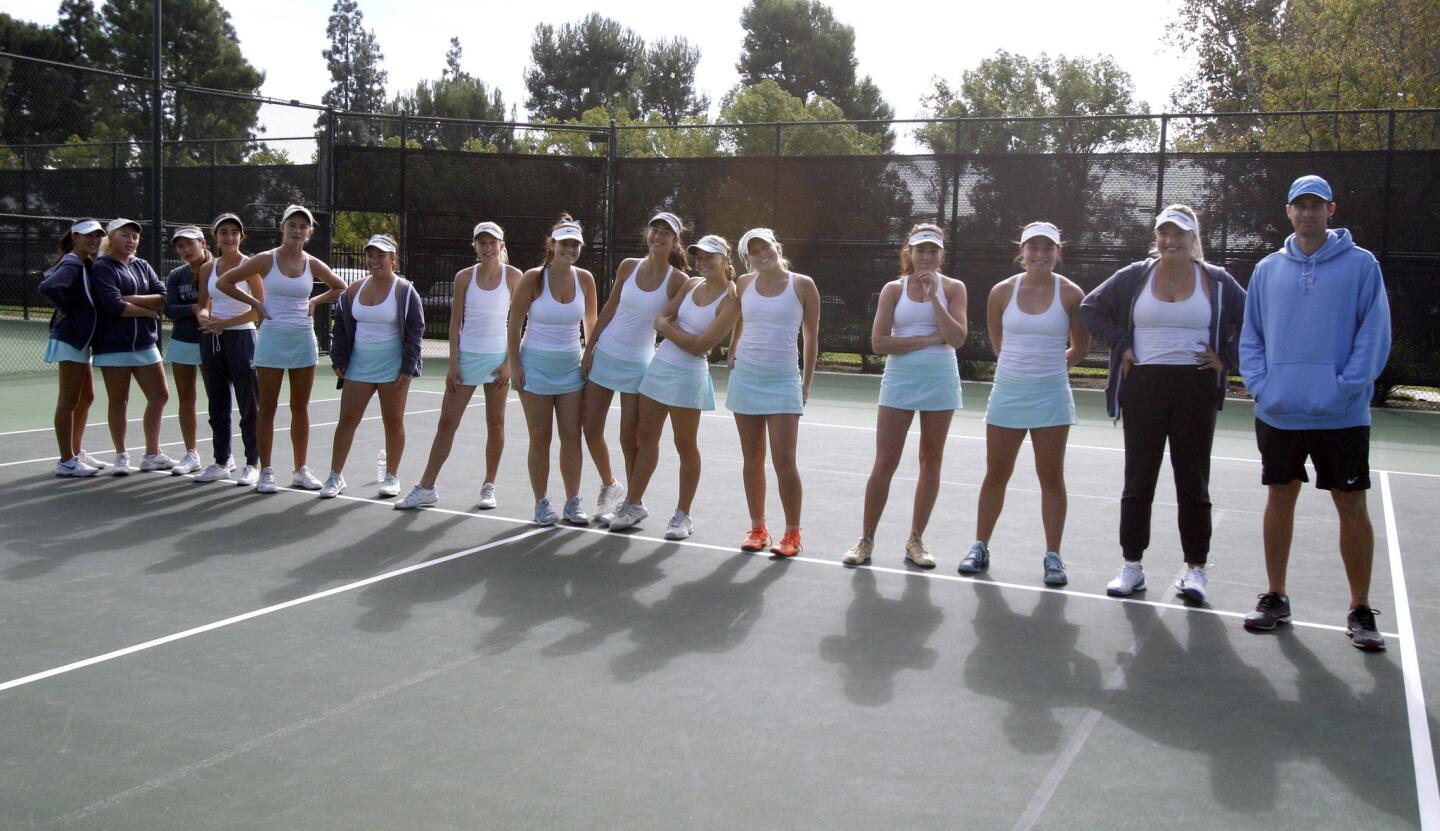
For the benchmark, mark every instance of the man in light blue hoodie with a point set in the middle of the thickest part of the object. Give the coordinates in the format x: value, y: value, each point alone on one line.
x: 1316, y: 336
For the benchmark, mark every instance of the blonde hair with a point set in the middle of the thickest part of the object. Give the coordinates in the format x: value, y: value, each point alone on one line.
x: 907, y: 267
x: 1197, y: 250
x: 565, y: 219
x: 729, y: 265
x: 745, y: 255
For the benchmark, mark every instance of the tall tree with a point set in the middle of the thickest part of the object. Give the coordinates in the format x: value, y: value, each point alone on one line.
x: 38, y: 104
x: 577, y: 67
x: 357, y: 78
x: 452, y: 69
x: 456, y: 94
x: 669, y: 84
x: 802, y: 47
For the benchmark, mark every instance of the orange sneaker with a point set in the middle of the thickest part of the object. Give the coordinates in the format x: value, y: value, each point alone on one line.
x: 789, y: 544
x: 757, y: 540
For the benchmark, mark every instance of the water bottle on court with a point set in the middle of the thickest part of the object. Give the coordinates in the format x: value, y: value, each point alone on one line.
x: 380, y: 468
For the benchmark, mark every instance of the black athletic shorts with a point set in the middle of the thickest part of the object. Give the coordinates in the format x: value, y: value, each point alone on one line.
x: 1341, y: 457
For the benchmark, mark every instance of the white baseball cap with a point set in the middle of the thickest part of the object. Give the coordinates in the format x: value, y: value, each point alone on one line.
x: 568, y: 230
x: 187, y: 233
x: 757, y: 233
x: 1179, y: 219
x: 86, y: 226
x: 384, y: 242
x: 1040, y: 229
x: 489, y: 228
x: 297, y: 209
x: 120, y: 222
x: 710, y: 244
x: 929, y: 235
x: 669, y: 219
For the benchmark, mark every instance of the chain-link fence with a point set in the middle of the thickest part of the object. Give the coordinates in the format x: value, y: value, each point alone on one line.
x: 839, y: 205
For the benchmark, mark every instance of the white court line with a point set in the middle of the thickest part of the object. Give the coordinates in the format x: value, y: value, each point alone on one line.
x: 134, y: 420
x: 240, y: 618
x: 1421, y: 750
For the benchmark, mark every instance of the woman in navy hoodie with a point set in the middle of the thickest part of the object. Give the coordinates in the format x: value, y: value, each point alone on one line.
x: 67, y: 285
x: 1172, y: 323
x: 128, y: 299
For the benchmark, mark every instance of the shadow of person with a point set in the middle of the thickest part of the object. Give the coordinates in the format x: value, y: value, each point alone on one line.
x: 713, y: 614
x: 249, y: 534
x: 602, y: 586
x: 883, y: 637
x: 1032, y: 663
x: 525, y: 587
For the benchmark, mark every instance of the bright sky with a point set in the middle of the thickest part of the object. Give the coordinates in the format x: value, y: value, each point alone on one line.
x: 901, y: 43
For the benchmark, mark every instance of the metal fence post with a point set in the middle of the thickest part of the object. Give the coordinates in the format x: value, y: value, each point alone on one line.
x: 326, y: 173
x: 213, y: 146
x: 1385, y: 203
x: 612, y: 155
x: 1160, y: 172
x: 404, y: 214
x: 157, y: 147
x: 775, y: 179
x: 955, y: 187
x: 114, y: 175
x: 25, y: 231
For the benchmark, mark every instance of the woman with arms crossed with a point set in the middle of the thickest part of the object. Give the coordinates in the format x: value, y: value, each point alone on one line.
x: 182, y: 299
x: 72, y: 327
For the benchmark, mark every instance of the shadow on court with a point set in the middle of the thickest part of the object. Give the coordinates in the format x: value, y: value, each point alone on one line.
x: 883, y: 637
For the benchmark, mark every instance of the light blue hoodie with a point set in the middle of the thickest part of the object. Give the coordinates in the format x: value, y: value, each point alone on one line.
x: 1316, y: 336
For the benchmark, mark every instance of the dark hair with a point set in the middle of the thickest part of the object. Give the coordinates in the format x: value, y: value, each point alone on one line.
x: 678, y: 258
x: 66, y: 244
x: 1059, y: 246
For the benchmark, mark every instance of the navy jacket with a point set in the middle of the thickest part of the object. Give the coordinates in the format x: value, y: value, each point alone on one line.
x: 1108, y: 312
x: 181, y: 295
x: 110, y: 281
x: 67, y: 285
x: 412, y: 328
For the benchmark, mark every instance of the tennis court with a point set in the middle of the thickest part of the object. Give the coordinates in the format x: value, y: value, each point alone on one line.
x: 194, y: 656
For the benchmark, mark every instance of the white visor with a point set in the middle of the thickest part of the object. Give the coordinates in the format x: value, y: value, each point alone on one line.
x: 1041, y: 229
x: 297, y: 209
x: 927, y: 235
x: 187, y: 233
x: 754, y: 234
x: 710, y: 244
x: 669, y: 219
x: 86, y: 226
x: 120, y: 222
x: 381, y: 242
x: 489, y: 228
x: 1179, y: 219
x: 569, y: 230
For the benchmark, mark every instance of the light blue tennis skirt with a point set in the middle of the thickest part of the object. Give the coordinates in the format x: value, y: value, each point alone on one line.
x: 921, y: 382
x: 1030, y: 403
x: 478, y: 368
x: 180, y: 352
x: 615, y: 374
x: 277, y: 347
x: 58, y: 350
x: 551, y: 373
x: 758, y: 390
x: 374, y: 363
x: 142, y: 357
x: 678, y: 386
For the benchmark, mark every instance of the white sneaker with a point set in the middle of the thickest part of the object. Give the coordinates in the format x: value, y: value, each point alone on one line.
x: 304, y: 478
x: 267, y: 481
x: 122, y: 465
x: 216, y: 472
x: 487, y: 496
x: 74, y: 468
x: 156, y: 461
x: 544, y: 514
x: 391, y: 486
x: 248, y: 477
x: 418, y: 495
x: 1191, y: 585
x: 189, y: 463
x: 680, y: 526
x: 628, y: 516
x: 85, y: 457
x: 1131, y: 579
x: 333, y: 487
x: 574, y: 512
x: 608, y: 502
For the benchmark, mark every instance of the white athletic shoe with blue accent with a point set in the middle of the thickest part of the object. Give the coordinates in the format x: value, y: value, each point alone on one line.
x: 216, y: 472
x: 122, y: 465
x: 628, y: 515
x: 305, y: 479
x: 418, y: 495
x: 189, y: 463
x: 1131, y: 579
x: 333, y: 487
x: 1191, y: 585
x: 544, y: 514
x: 575, y: 512
x: 156, y: 461
x: 74, y: 468
x: 487, y: 497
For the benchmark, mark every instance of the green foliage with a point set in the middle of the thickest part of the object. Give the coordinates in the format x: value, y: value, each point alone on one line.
x: 354, y: 228
x: 357, y: 78
x: 767, y: 101
x: 38, y: 104
x: 668, y: 87
x: 456, y: 94
x: 268, y: 156
x: 577, y: 67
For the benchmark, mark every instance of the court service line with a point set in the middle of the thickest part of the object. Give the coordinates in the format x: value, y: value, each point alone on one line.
x: 134, y: 420
x: 1426, y: 789
x: 240, y: 618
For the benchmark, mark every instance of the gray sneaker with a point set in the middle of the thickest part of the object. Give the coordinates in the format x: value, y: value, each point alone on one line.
x: 575, y: 512
x: 608, y: 502
x: 249, y: 477
x: 188, y: 464
x: 629, y: 515
x: 305, y: 479
x: 215, y: 472
x: 85, y: 457
x: 390, y: 487
x: 977, y: 560
x: 544, y: 514
x: 1055, y: 570
x: 156, y: 461
x: 1272, y: 610
x: 1364, y: 634
x: 418, y: 495
x: 680, y: 526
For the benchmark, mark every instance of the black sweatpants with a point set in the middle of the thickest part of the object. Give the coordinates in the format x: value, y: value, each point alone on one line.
x: 1174, y: 404
x: 226, y: 360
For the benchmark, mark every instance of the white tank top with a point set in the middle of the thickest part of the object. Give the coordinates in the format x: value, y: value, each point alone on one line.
x: 1171, y: 333
x: 916, y: 319
x: 378, y: 323
x: 693, y: 320
x: 554, y: 326
x: 771, y: 327
x: 222, y: 304
x: 1033, y: 346
x: 287, y: 299
x: 630, y: 335
x: 486, y: 311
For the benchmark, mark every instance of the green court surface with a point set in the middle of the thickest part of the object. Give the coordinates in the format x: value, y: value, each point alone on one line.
x: 193, y: 656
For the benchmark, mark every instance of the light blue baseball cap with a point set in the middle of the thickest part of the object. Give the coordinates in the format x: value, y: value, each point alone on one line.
x: 1313, y: 185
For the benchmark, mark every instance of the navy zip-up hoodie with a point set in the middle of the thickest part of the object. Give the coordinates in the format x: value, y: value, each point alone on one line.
x: 1109, y: 313
x: 181, y: 295
x: 67, y: 285
x: 110, y: 281
x: 412, y: 328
